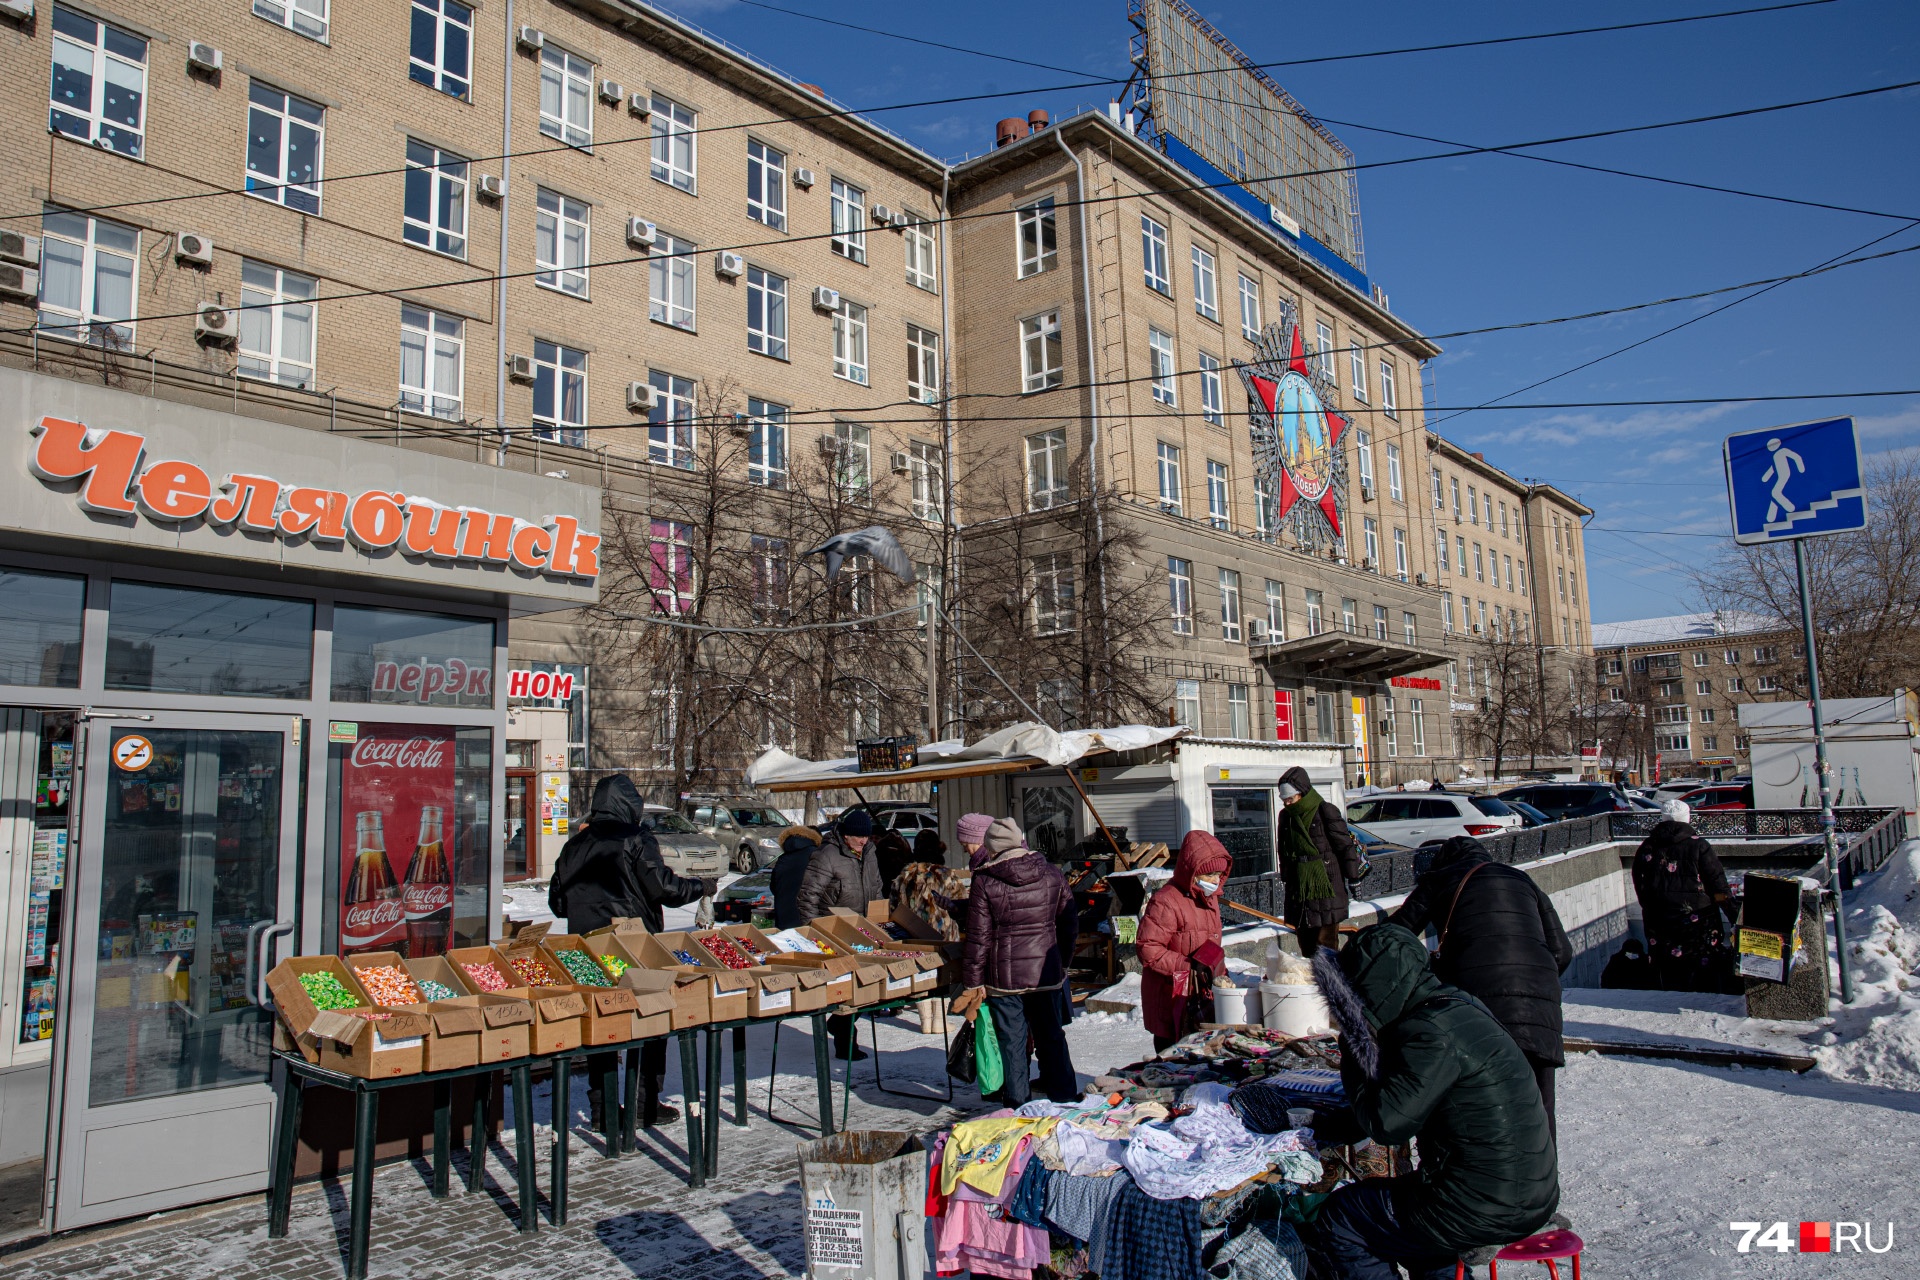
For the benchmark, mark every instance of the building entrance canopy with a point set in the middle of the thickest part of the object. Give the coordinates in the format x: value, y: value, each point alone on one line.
x: 1345, y: 655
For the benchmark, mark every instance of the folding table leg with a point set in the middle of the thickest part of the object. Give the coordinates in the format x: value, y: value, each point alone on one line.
x: 823, y: 1074
x: 690, y: 1095
x: 713, y: 1102
x: 562, y: 1132
x: 630, y: 1107
x: 442, y: 1135
x: 477, y: 1135
x: 773, y: 1068
x: 366, y: 1119
x: 740, y: 1076
x: 286, y: 1142
x: 523, y: 1147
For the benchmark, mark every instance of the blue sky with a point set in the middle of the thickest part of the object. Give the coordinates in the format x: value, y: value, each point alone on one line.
x: 1486, y: 240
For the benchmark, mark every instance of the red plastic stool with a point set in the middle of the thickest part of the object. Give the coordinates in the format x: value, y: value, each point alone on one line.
x: 1543, y: 1248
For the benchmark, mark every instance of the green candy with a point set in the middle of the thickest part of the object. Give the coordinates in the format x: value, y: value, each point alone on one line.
x: 434, y: 990
x: 584, y: 970
x: 327, y: 992
x: 615, y: 965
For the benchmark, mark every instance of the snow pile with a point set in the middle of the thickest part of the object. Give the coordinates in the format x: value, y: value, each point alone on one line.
x: 1876, y: 1039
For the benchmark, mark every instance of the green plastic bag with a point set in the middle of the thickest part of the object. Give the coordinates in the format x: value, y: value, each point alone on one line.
x: 986, y: 1052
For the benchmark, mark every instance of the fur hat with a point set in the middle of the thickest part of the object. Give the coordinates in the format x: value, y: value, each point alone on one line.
x: 1349, y: 1013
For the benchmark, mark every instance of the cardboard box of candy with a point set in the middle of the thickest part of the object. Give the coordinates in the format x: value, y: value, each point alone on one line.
x: 303, y: 987
x: 640, y: 966
x: 372, y: 1043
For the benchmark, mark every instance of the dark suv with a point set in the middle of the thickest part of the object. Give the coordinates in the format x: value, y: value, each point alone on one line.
x: 1562, y: 800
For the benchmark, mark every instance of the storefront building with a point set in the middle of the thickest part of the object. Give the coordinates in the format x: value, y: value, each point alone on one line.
x: 251, y: 706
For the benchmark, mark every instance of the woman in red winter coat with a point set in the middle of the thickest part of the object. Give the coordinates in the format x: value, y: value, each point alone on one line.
x: 1180, y: 929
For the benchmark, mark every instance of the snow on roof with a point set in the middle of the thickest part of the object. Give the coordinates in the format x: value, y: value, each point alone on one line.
x: 1680, y: 626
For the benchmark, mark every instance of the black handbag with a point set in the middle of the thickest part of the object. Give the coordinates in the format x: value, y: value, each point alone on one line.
x: 962, y: 1065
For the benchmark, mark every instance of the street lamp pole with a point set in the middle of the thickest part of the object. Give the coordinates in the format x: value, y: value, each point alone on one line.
x: 1821, y: 768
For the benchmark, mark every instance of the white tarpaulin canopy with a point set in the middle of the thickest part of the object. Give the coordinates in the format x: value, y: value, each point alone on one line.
x: 1013, y: 749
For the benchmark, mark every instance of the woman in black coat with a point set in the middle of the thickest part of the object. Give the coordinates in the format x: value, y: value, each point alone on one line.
x: 1682, y: 890
x: 1319, y: 858
x: 1501, y: 942
x: 797, y: 846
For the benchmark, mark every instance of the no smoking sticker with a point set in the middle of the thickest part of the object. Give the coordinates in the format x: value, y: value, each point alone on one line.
x: 133, y: 753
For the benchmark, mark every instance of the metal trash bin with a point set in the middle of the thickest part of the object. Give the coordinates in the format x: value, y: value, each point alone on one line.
x: 866, y: 1204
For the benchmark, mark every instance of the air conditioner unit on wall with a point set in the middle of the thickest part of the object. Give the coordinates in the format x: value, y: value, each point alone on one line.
x: 641, y: 234
x: 532, y: 40
x: 19, y: 282
x: 803, y: 177
x: 641, y: 397
x: 1256, y: 631
x: 491, y: 187
x: 192, y: 247
x: 16, y: 246
x: 901, y: 464
x: 729, y: 264
x: 825, y: 299
x: 829, y: 446
x: 203, y: 57
x: 612, y: 92
x: 1419, y: 579
x: 215, y: 324
x: 881, y: 215
x: 1366, y: 491
x: 520, y: 368
x: 639, y: 104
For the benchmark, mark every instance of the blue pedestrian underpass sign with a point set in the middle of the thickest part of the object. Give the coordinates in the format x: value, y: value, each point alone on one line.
x: 1795, y: 482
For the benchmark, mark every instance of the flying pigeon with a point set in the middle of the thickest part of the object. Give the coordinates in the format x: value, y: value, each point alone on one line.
x: 874, y: 541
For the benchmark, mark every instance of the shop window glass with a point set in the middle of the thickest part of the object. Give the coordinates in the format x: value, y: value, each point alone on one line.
x: 412, y: 659
x: 164, y: 639
x: 40, y: 628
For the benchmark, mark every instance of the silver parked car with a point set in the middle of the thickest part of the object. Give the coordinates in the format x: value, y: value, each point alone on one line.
x: 747, y: 828
x: 685, y: 848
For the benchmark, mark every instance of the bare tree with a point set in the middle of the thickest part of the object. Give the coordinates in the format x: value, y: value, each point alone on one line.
x: 1503, y: 681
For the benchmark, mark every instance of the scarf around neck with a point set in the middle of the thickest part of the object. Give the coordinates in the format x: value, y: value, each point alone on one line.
x: 1309, y: 867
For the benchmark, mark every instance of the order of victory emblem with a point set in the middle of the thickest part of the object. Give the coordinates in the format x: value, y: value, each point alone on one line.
x: 1297, y: 439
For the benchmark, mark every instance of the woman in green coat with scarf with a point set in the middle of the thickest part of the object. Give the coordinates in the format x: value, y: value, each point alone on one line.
x: 1319, y: 858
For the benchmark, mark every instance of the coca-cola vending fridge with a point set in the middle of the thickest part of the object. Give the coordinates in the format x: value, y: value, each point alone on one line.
x: 396, y: 786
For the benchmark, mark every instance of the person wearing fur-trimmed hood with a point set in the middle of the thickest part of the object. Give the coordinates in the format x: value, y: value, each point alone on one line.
x: 1421, y: 1059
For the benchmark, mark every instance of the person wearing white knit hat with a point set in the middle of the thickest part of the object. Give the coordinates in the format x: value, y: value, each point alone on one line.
x: 1682, y: 890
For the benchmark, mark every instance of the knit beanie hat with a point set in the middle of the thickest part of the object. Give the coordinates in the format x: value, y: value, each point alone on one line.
x: 972, y: 827
x: 856, y: 822
x: 1676, y: 811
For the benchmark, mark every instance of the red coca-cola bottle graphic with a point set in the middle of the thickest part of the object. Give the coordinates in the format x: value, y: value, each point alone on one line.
x: 427, y: 898
x: 371, y: 917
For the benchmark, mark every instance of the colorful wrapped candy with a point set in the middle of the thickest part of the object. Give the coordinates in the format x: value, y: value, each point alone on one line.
x: 435, y: 990
x: 328, y: 992
x: 486, y: 976
x: 615, y: 965
x: 584, y: 971
x: 686, y: 957
x: 533, y: 970
x: 755, y: 953
x: 726, y: 951
x: 388, y: 984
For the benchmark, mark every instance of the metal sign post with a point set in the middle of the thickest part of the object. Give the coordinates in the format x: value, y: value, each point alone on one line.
x: 1794, y: 483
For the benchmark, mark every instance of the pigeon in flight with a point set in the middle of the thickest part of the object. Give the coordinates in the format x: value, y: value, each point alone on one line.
x: 873, y: 541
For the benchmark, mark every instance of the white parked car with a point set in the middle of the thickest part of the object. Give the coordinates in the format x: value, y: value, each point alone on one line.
x: 1414, y: 817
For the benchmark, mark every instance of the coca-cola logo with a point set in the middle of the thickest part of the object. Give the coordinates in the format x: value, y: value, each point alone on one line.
x: 367, y: 922
x: 398, y: 753
x: 422, y: 900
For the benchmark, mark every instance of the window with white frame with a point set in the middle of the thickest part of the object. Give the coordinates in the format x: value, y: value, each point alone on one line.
x: 926, y: 472
x: 435, y: 206
x: 1167, y: 465
x: 1357, y: 366
x: 560, y: 393
x: 302, y: 17
x: 916, y: 239
x: 923, y: 364
x: 1206, y: 284
x: 927, y: 580
x: 440, y: 47
x: 1217, y: 497
x: 1400, y: 554
x: 670, y: 571
x: 1670, y: 715
x: 1509, y: 563
x: 1503, y: 520
x: 675, y: 134
x: 1316, y: 611
x: 1410, y: 626
x: 1417, y: 722
x: 566, y: 96
x: 1389, y: 727
x: 1276, y: 611
x: 432, y: 361
x: 1703, y: 687
x: 670, y: 284
x: 1046, y: 469
x: 848, y: 208
x: 1480, y: 566
x: 1520, y: 568
x: 766, y: 311
x: 1370, y: 530
x: 1733, y: 684
x: 771, y: 579
x: 1389, y: 405
x: 1701, y: 658
x: 1766, y: 684
x: 1229, y: 604
x: 766, y: 185
x: 1250, y: 308
x: 1473, y: 505
x: 1439, y: 491
x: 670, y: 428
x: 1153, y: 253
x: 1180, y: 594
x: 766, y: 443
x: 1160, y: 366
x: 1036, y: 239
x: 1460, y: 552
x: 1486, y: 508
x: 1441, y: 540
x: 87, y: 270
x: 1446, y: 612
x: 1363, y: 458
x: 1040, y: 352
x: 285, y: 137
x: 1395, y: 488
x: 1616, y: 694
x: 276, y: 325
x: 1323, y: 350
x: 1186, y: 704
x: 1239, y: 712
x: 1454, y: 484
x: 853, y: 458
x: 1730, y: 656
x: 1052, y: 593
x: 1266, y: 512
x: 560, y: 243
x: 850, y: 342
x: 98, y: 92
x: 1212, y: 392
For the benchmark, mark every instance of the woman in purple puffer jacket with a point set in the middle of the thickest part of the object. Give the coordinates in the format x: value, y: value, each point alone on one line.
x: 1021, y: 926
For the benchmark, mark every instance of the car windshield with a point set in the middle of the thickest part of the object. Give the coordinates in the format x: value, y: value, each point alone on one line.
x: 1363, y: 836
x: 1492, y: 806
x: 747, y: 886
x: 759, y: 817
x: 672, y: 822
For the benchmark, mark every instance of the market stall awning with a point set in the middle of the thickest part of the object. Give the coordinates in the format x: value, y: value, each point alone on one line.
x: 1346, y: 655
x: 1014, y: 749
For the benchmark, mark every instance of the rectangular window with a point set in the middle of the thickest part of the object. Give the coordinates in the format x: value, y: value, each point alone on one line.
x: 1350, y: 616
x: 1160, y: 366
x: 1358, y: 368
x: 1701, y: 658
x: 1363, y: 459
x: 1410, y: 626
x: 1153, y: 254
x: 1167, y: 463
x: 560, y: 243
x: 1733, y: 684
x: 1439, y: 492
x: 766, y: 310
x: 850, y: 342
x: 848, y: 206
x: 1239, y: 711
x: 1486, y: 508
x: 1186, y: 704
x: 1503, y: 520
x: 1250, y: 309
x: 1229, y: 604
x: 770, y: 578
x: 1052, y: 593
x: 1445, y: 562
x: 916, y: 238
x: 1765, y: 653
x: 1206, y: 284
x: 1473, y: 505
x: 566, y: 97
x: 1520, y: 568
x: 432, y: 361
x: 926, y: 469
x: 1180, y: 594
x: 440, y: 45
x: 1036, y: 240
x: 1276, y: 611
x: 1379, y: 622
x: 1395, y: 489
x: 670, y: 428
x: 1211, y: 392
x: 284, y: 141
x: 160, y: 639
x: 1217, y: 496
x: 1316, y: 611
x: 1766, y: 684
x: 1389, y: 405
x: 302, y: 17
x: 1479, y: 565
x: 1266, y: 517
x: 1730, y: 656
x: 560, y: 393
x: 87, y: 270
x: 1703, y: 687
x: 923, y: 364
x: 1370, y: 528
x: 853, y: 465
x: 1460, y: 552
x: 766, y: 185
x: 766, y: 444
x: 1446, y: 612
x: 1040, y: 357
x: 1400, y: 554
x: 674, y: 135
x: 1560, y: 579
x: 670, y: 571
x: 670, y: 287
x: 1455, y: 485
x: 435, y: 215
x: 99, y: 86
x: 1417, y: 720
x: 40, y: 629
x: 1508, y: 560
x: 1046, y: 469
x: 1323, y: 350
x: 276, y: 325
x: 927, y: 580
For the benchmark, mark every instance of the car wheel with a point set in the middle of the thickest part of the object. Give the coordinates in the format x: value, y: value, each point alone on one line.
x: 743, y: 860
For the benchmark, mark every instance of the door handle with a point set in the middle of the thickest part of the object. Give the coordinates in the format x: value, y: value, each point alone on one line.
x: 259, y: 938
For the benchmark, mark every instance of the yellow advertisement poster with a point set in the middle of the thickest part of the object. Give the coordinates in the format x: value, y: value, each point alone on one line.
x: 554, y: 801
x: 1362, y: 741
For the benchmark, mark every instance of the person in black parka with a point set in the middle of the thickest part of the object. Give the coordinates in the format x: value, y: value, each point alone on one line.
x: 1319, y: 858
x: 1682, y: 890
x: 1501, y: 942
x: 797, y: 847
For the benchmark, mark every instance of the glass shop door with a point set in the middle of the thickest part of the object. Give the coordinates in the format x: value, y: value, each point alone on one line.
x: 184, y: 879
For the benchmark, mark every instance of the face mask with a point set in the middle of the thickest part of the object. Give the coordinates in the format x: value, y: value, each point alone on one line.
x: 1208, y: 887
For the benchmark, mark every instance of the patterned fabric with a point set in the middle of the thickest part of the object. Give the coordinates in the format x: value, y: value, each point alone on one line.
x: 1268, y: 1249
x: 1029, y: 1203
x: 1079, y: 1207
x: 1206, y: 1151
x: 1149, y: 1239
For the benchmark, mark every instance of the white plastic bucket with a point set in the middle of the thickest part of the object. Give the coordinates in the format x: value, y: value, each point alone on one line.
x: 1237, y: 1005
x: 1297, y: 1011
